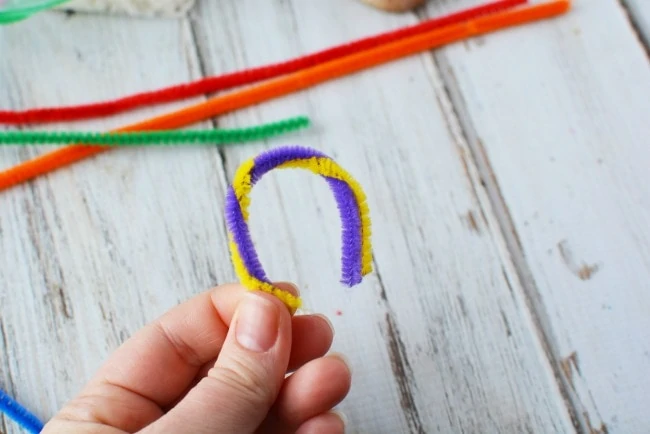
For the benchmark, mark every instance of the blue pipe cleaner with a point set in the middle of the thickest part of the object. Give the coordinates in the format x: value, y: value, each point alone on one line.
x: 19, y: 414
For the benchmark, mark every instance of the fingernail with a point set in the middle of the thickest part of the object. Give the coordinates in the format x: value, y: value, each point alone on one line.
x: 344, y: 359
x: 341, y: 416
x: 327, y: 320
x: 257, y: 323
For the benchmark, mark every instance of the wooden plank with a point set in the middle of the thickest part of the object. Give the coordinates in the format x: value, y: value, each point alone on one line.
x: 91, y: 253
x: 440, y: 338
x: 557, y: 117
x: 639, y: 14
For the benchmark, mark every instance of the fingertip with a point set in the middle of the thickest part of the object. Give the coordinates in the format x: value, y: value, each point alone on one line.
x: 344, y: 360
x: 327, y: 321
x: 312, y: 390
x: 342, y: 417
x: 331, y: 423
x: 344, y: 371
x: 312, y: 337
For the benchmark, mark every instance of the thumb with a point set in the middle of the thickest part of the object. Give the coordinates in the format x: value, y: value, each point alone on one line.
x: 241, y: 388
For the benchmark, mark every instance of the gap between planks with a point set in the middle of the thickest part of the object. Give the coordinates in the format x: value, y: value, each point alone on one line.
x: 566, y: 366
x: 638, y: 14
x: 488, y: 194
x: 213, y: 122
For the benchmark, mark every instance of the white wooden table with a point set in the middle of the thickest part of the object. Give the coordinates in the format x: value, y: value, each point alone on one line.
x: 508, y: 180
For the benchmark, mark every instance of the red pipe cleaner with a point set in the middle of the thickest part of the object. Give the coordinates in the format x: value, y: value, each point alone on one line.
x: 216, y: 83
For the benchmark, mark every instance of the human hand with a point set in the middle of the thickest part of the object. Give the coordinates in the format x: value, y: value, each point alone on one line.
x: 217, y: 364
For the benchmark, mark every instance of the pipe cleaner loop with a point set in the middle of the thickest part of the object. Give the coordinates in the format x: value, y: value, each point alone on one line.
x: 351, y: 201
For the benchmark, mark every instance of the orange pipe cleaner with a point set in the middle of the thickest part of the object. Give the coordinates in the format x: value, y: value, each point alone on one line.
x: 291, y: 83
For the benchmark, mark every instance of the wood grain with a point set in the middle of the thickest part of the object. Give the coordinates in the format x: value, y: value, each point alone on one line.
x: 556, y: 115
x: 440, y: 338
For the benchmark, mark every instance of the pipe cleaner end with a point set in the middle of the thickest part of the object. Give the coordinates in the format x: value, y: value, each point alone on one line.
x: 290, y: 300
